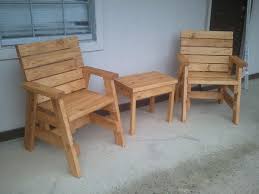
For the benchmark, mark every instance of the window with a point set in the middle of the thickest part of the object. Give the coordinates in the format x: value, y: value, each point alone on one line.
x: 24, y: 21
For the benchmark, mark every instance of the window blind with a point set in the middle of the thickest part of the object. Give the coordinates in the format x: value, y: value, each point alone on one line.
x: 23, y: 21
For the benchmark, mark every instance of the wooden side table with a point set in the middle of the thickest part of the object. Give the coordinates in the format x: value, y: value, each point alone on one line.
x: 146, y: 85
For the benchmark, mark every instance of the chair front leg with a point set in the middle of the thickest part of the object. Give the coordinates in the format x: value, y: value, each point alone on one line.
x: 66, y: 135
x: 185, y: 94
x: 114, y: 111
x: 237, y: 98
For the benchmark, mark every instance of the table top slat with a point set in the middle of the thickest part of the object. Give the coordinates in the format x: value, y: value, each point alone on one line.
x: 145, y: 81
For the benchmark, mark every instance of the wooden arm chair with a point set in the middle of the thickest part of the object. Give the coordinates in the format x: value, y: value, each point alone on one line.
x: 58, y: 99
x: 206, y: 59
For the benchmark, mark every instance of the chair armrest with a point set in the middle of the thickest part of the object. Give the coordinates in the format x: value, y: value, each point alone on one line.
x: 182, y: 59
x: 43, y: 90
x: 236, y: 60
x: 100, y: 72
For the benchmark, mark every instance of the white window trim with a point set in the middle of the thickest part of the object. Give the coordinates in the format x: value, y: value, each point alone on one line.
x: 86, y: 46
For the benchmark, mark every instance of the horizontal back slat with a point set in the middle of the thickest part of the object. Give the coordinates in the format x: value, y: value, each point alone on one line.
x: 48, y: 46
x: 67, y: 88
x: 220, y: 43
x: 209, y: 74
x: 208, y: 67
x: 206, y: 51
x: 51, y: 69
x: 60, y: 79
x: 208, y: 34
x: 52, y: 57
x: 207, y: 59
x: 56, y: 63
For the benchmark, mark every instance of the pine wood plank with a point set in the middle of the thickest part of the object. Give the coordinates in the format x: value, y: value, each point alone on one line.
x: 218, y: 67
x: 170, y: 109
x: 49, y: 58
x: 51, y: 69
x: 66, y: 88
x: 41, y: 89
x: 238, y: 61
x: 237, y: 98
x: 221, y: 43
x: 29, y: 134
x: 212, y: 81
x: 114, y: 111
x: 49, y: 137
x: 80, y: 103
x: 67, y: 139
x: 103, y: 121
x: 47, y: 46
x: 133, y: 105
x: 154, y: 92
x: 100, y: 72
x: 61, y: 79
x: 207, y: 59
x: 206, y: 51
x: 207, y: 34
x: 80, y: 108
x: 47, y: 118
x: 205, y: 95
x: 228, y: 99
x: 78, y: 123
x: 152, y: 102
x: 145, y: 81
x: 185, y: 93
x: 210, y: 74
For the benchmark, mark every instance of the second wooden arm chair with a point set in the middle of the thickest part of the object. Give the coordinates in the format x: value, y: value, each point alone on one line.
x: 206, y: 59
x: 58, y: 99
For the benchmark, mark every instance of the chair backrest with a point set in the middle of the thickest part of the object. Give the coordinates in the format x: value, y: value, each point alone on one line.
x: 55, y: 63
x: 207, y: 50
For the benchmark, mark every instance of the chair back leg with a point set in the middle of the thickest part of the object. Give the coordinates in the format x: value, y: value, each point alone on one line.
x: 29, y: 134
x: 221, y: 90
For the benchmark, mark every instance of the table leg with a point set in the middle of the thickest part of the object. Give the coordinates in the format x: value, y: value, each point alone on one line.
x: 171, y: 106
x: 152, y: 104
x: 132, y: 130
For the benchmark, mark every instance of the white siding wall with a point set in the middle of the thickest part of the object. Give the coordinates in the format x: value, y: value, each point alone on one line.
x: 139, y: 35
x: 253, y: 40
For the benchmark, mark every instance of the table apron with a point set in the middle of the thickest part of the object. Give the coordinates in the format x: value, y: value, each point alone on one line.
x: 154, y: 92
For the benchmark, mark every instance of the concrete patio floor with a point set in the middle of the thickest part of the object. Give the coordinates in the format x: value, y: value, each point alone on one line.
x: 207, y: 154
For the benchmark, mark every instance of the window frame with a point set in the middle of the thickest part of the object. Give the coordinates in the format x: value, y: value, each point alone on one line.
x: 7, y: 53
